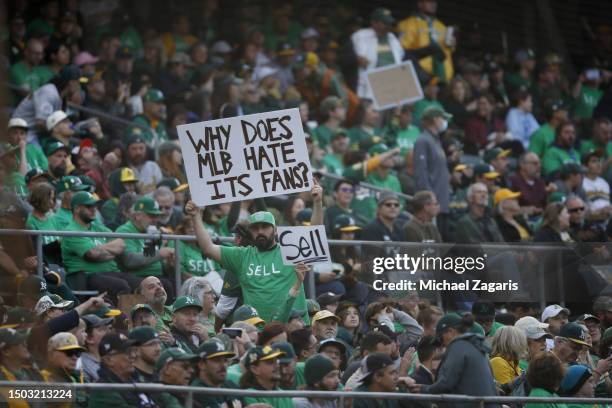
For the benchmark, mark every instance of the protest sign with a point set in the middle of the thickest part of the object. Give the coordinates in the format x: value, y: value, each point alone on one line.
x: 303, y: 244
x: 245, y: 157
x: 394, y: 85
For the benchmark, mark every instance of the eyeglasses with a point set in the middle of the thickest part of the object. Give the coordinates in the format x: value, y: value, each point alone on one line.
x: 391, y: 205
x: 165, y: 207
x: 72, y: 353
x: 574, y: 210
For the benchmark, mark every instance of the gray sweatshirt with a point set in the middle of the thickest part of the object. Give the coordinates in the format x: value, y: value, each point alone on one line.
x: 430, y: 168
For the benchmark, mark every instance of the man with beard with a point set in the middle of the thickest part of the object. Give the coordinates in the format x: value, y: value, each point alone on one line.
x: 562, y: 150
x: 288, y: 362
x: 142, y: 315
x: 154, y: 294
x: 263, y: 373
x: 212, y: 373
x: 259, y: 269
x: 57, y: 158
x: 325, y: 325
x: 321, y: 375
x: 90, y: 261
x: 175, y: 367
x: 379, y: 375
x: 148, y: 350
x: 147, y: 171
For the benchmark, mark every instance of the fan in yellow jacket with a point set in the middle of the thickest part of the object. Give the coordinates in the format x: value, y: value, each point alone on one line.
x: 428, y: 40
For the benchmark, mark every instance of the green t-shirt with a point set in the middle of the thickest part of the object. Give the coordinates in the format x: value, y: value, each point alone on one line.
x: 215, y: 401
x: 541, y: 139
x: 264, y: 279
x: 333, y: 163
x: 555, y: 157
x: 75, y: 248
x: 49, y: 223
x: 406, y: 138
x: 300, y: 378
x: 234, y: 372
x: 137, y: 245
x: 162, y: 323
x: 35, y: 157
x: 32, y: 79
x: 192, y: 260
x: 384, y: 54
x: 62, y: 218
x: 420, y: 107
x: 323, y: 135
x: 357, y: 134
x: 15, y: 182
x: 588, y: 144
x: 540, y: 392
x: 587, y: 101
x: 147, y: 134
x: 284, y: 402
x: 390, y: 182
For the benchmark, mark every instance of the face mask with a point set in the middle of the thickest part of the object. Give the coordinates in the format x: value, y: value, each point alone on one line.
x: 444, y: 125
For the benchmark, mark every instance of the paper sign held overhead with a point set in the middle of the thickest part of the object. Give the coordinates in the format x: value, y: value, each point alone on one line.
x: 245, y: 157
x: 303, y: 244
x: 394, y: 85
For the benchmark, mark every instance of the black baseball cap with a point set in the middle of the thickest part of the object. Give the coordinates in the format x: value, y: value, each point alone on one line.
x: 483, y: 308
x: 328, y: 298
x: 114, y: 342
x: 142, y: 334
x: 374, y: 362
x: 92, y: 321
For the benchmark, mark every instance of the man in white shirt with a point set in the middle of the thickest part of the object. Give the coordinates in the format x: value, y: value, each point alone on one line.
x: 596, y: 188
x: 375, y: 47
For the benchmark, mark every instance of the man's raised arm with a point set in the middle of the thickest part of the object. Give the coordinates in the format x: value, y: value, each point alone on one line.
x: 317, y: 205
x: 210, y: 249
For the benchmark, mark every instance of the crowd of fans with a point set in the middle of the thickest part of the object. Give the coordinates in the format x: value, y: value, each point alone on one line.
x: 501, y: 149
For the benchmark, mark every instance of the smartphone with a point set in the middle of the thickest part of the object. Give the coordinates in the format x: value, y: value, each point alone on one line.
x: 232, y: 332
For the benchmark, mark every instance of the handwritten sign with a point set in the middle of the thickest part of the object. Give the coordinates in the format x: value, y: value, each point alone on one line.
x: 303, y: 244
x: 394, y: 85
x: 245, y: 157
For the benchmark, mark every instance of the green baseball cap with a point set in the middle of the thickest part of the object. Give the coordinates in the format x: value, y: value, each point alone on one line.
x: 265, y: 217
x: 378, y: 149
x: 383, y: 15
x: 106, y: 311
x: 54, y: 146
x: 556, y: 197
x: 259, y: 353
x: 17, y: 316
x: 287, y: 349
x: 575, y: 333
x: 183, y: 302
x: 142, y: 335
x: 486, y: 170
x: 446, y: 322
x: 434, y: 112
x: 173, y: 354
x: 330, y: 103
x: 495, y: 153
x: 11, y: 337
x: 140, y: 306
x: 135, y: 137
x: 173, y: 184
x: 247, y: 313
x: 70, y: 183
x: 339, y: 132
x: 147, y: 205
x: 83, y: 198
x: 367, y: 143
x: 35, y: 173
x: 153, y: 95
x: 312, y: 306
x: 88, y: 182
x: 213, y: 348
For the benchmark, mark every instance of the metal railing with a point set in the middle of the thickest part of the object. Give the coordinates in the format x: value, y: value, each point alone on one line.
x: 190, y: 392
x: 310, y: 280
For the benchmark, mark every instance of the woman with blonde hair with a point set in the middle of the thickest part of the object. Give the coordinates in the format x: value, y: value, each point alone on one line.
x: 509, y: 346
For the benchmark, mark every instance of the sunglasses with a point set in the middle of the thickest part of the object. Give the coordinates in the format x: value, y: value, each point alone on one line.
x: 394, y: 205
x: 347, y: 189
x: 72, y: 353
x: 577, y: 209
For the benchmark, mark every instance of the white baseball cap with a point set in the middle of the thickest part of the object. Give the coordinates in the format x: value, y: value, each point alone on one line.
x: 553, y: 311
x: 532, y: 327
x: 17, y: 123
x: 55, y: 118
x: 46, y: 303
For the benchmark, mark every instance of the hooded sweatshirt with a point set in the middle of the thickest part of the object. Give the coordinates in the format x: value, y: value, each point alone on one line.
x: 465, y: 369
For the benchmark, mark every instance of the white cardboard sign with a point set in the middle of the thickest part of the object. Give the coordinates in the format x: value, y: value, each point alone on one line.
x: 303, y: 244
x: 245, y: 157
x: 394, y: 85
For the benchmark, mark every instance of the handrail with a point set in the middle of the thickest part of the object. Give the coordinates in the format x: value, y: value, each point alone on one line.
x: 107, y: 116
x: 307, y: 394
x: 545, y: 246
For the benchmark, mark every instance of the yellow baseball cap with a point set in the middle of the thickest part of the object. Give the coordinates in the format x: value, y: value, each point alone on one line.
x: 504, y: 194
